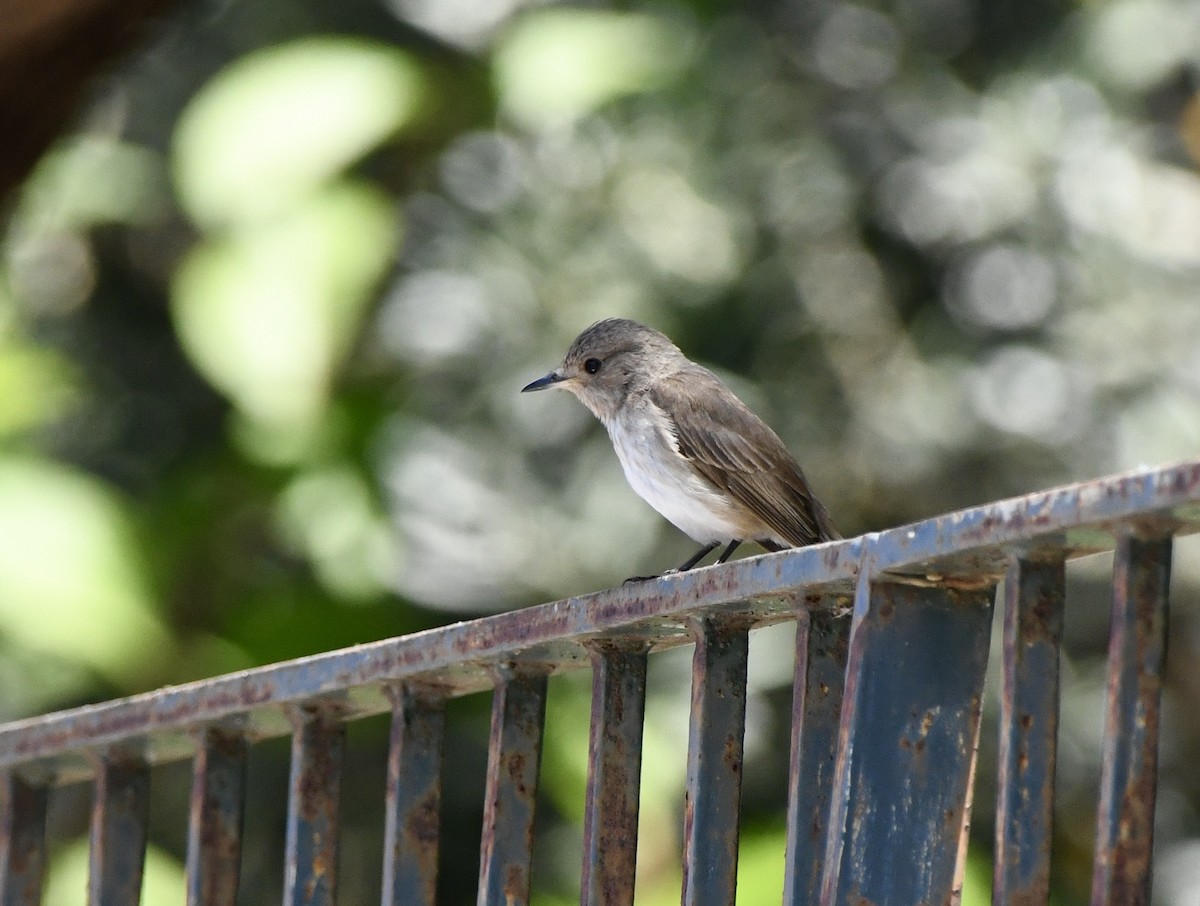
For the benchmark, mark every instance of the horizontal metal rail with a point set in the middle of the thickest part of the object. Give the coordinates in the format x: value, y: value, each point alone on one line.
x: 880, y: 785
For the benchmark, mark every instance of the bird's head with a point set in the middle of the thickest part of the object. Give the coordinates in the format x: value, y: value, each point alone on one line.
x: 609, y: 360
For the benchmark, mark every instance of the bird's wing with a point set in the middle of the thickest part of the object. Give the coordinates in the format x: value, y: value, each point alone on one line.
x: 713, y: 431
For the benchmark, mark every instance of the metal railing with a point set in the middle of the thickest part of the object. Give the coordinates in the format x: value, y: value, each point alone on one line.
x: 881, y: 770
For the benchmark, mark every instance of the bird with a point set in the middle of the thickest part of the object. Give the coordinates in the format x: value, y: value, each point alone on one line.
x: 687, y: 445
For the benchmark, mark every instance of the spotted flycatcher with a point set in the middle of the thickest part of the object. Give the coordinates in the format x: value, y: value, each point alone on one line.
x: 689, y: 447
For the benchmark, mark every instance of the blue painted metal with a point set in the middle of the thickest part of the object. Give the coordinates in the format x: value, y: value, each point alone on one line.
x: 514, y: 756
x: 117, y: 847
x: 610, y: 824
x: 1137, y: 651
x: 22, y: 840
x: 311, y: 848
x: 414, y: 798
x: 1033, y: 617
x: 214, y: 847
x: 714, y: 771
x: 891, y: 808
x: 906, y: 744
x: 1075, y: 520
x: 459, y: 659
x: 822, y: 640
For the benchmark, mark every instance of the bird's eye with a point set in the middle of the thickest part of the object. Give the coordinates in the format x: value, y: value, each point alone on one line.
x: 591, y: 366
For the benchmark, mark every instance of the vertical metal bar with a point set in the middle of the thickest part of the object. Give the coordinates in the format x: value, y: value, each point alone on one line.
x: 120, y: 810
x: 964, y: 834
x: 714, y: 773
x: 514, y: 756
x: 906, y: 741
x: 414, y: 799
x: 22, y: 841
x: 311, y: 853
x: 1034, y: 592
x: 614, y: 775
x: 1137, y: 650
x: 214, y: 848
x: 822, y: 638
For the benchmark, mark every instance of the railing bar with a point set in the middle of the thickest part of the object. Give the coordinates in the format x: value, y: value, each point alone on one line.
x: 822, y: 637
x: 514, y: 758
x: 117, y: 849
x: 214, y: 848
x: 610, y: 823
x: 714, y: 773
x: 455, y: 655
x: 22, y: 841
x: 1033, y: 619
x: 414, y: 799
x: 1163, y: 494
x: 314, y: 789
x: 1136, y: 658
x: 906, y: 743
x: 964, y: 835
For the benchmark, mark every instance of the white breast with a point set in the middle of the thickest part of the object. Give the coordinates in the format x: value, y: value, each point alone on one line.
x: 664, y: 479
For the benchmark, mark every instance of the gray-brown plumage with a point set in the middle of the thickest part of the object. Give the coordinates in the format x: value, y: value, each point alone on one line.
x: 688, y: 446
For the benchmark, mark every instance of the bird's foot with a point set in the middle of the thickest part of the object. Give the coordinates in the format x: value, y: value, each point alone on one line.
x: 670, y: 572
x: 632, y: 579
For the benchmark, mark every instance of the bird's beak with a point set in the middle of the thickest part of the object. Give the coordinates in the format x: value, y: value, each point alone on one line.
x: 554, y: 377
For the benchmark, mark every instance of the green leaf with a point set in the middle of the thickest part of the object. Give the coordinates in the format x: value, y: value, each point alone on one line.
x: 72, y: 576
x: 267, y: 312
x: 559, y: 64
x: 281, y: 121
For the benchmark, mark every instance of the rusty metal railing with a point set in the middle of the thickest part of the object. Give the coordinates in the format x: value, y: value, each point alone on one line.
x: 881, y: 771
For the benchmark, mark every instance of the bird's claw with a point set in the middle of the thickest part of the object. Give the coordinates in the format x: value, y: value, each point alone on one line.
x: 673, y: 571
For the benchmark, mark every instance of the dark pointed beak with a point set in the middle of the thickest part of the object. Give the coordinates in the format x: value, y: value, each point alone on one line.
x: 554, y: 377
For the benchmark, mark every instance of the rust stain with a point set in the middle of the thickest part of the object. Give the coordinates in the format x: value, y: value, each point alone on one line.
x: 733, y: 754
x: 515, y: 764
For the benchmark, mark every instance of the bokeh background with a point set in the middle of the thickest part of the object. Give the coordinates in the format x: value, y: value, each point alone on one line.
x: 267, y: 300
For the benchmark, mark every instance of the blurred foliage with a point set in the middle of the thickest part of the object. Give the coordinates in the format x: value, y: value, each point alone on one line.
x: 265, y: 313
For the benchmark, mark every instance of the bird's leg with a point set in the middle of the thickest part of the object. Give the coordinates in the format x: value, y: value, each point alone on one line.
x: 728, y: 552
x: 688, y: 564
x: 695, y: 558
